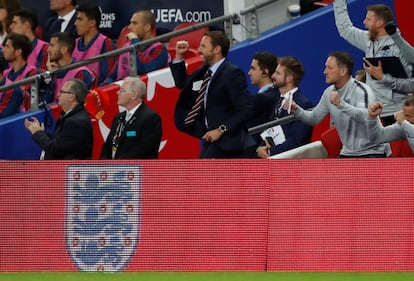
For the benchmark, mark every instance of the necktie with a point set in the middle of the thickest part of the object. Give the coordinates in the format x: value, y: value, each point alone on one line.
x: 278, y: 109
x: 128, y: 116
x: 195, y: 110
x: 58, y: 25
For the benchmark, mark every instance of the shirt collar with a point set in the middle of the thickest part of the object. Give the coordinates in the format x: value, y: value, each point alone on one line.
x: 68, y: 16
x: 265, y: 88
x: 132, y: 111
x: 215, y: 66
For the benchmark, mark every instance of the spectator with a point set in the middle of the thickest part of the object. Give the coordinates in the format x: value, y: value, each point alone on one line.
x: 7, y: 8
x: 16, y: 50
x: 11, y: 99
x: 60, y: 54
x: 135, y: 133
x: 62, y: 20
x: 216, y: 110
x: 287, y: 77
x: 148, y: 58
x: 73, y: 137
x: 402, y: 129
x: 91, y: 43
x: 375, y: 42
x: 346, y: 100
x: 262, y: 67
x: 25, y: 22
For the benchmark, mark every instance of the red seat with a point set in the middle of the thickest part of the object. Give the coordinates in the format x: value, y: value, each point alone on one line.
x: 26, y: 102
x: 122, y: 39
x: 189, y: 54
x: 193, y: 37
x: 331, y: 141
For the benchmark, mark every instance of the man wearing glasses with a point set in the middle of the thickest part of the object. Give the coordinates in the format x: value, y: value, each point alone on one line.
x: 73, y: 136
x: 135, y: 133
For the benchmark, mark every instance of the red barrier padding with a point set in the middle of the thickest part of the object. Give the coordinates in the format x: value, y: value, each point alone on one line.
x: 335, y: 215
x: 214, y: 215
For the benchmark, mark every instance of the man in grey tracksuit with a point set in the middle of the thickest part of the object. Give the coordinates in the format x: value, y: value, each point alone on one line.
x: 375, y: 42
x: 403, y: 128
x: 346, y: 100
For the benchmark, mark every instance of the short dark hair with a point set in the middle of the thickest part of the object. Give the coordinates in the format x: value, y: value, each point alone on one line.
x: 266, y: 61
x: 92, y: 12
x: 381, y: 11
x: 29, y: 16
x: 20, y: 41
x: 344, y: 59
x: 219, y: 38
x: 293, y: 67
x: 79, y: 89
x: 65, y: 39
x: 148, y: 16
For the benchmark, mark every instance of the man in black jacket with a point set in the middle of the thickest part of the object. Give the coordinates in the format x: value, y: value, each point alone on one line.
x: 135, y: 133
x: 73, y: 136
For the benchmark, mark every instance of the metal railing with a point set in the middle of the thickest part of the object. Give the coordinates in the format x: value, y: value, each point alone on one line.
x: 36, y: 79
x: 252, y: 12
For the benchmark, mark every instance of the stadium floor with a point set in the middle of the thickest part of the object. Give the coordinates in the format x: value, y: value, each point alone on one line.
x: 216, y: 276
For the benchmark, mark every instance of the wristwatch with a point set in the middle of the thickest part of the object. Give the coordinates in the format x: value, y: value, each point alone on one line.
x: 222, y: 128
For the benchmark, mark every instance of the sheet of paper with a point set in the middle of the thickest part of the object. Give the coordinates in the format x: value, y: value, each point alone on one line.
x: 276, y: 133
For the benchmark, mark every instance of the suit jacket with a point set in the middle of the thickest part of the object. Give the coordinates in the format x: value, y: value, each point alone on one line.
x: 296, y: 132
x: 50, y: 27
x: 139, y: 140
x: 72, y: 139
x: 228, y: 103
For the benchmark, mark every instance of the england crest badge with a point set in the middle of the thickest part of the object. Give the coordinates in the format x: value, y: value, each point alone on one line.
x: 103, y: 215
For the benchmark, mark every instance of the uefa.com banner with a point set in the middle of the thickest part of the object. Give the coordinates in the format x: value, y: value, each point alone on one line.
x: 116, y: 14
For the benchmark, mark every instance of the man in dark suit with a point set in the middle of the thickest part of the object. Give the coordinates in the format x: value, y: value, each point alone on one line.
x: 262, y: 67
x: 135, y: 133
x: 214, y: 104
x: 73, y: 136
x: 287, y: 76
x: 62, y: 20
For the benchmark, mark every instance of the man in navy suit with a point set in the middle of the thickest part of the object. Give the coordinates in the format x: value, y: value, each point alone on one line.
x: 287, y: 76
x: 63, y: 20
x: 262, y: 67
x: 135, y: 133
x: 224, y: 104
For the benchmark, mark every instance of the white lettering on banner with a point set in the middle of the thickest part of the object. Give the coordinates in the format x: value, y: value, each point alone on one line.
x: 107, y: 20
x: 176, y: 15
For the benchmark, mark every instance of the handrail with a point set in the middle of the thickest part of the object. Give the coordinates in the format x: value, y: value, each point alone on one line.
x: 164, y: 37
x: 253, y: 8
x: 260, y: 128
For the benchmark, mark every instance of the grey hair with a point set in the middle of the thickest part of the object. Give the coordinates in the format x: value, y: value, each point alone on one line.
x: 137, y: 85
x: 79, y: 88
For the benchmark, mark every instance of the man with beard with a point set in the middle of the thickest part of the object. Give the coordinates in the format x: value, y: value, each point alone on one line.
x: 214, y: 104
x: 60, y: 54
x: 288, y: 74
x: 346, y: 100
x: 376, y: 43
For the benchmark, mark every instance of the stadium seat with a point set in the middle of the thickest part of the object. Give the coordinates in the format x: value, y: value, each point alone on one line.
x: 332, y: 143
x: 122, y: 39
x: 192, y: 37
x: 26, y: 102
x: 189, y: 54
